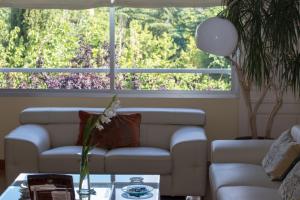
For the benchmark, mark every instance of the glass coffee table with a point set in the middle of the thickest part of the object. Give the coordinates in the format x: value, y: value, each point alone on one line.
x: 107, y: 187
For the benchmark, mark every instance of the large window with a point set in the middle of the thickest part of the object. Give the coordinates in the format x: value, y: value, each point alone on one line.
x: 120, y: 49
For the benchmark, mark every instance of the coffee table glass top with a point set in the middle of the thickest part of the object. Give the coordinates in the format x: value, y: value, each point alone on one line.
x: 107, y: 187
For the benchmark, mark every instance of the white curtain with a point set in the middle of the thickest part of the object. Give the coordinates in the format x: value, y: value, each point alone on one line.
x: 84, y: 4
x: 167, y: 3
x: 49, y: 4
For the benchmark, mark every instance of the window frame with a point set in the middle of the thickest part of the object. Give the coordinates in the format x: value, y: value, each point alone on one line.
x: 111, y: 70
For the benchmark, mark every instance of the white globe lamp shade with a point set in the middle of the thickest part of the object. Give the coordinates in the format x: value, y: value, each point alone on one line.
x: 217, y: 36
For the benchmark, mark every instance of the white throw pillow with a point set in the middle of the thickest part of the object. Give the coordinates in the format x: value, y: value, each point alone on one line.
x: 290, y: 187
x: 281, y: 156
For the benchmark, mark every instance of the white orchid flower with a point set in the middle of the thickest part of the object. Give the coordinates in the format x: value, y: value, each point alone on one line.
x: 99, y: 126
x: 104, y: 119
x: 110, y: 113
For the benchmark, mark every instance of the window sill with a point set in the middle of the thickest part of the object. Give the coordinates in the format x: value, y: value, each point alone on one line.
x: 121, y: 94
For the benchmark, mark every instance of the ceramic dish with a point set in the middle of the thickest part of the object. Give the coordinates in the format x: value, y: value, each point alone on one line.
x: 137, y: 190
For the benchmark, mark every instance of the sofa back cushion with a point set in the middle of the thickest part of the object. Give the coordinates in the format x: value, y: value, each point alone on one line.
x: 157, y: 126
x: 151, y: 135
x: 62, y: 134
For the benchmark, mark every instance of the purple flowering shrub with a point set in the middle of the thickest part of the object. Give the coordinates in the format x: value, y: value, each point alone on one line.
x: 55, y: 81
x: 76, y: 81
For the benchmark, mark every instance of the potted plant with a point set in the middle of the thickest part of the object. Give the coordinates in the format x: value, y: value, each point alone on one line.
x: 267, y: 53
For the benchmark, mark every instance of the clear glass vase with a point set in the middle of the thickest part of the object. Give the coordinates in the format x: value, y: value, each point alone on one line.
x: 85, y: 185
x: 84, y: 179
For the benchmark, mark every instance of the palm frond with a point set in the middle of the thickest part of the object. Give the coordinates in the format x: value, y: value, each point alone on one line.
x: 268, y: 32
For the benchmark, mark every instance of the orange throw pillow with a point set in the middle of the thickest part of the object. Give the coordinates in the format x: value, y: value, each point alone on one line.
x: 122, y: 131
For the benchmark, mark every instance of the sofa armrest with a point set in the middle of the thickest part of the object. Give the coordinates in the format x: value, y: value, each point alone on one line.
x: 239, y: 151
x: 23, y: 146
x: 189, y: 156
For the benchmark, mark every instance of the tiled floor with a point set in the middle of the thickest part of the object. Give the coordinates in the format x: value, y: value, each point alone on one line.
x: 2, y: 188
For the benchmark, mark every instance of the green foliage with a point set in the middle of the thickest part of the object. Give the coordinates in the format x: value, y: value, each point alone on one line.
x: 188, y: 82
x: 145, y: 38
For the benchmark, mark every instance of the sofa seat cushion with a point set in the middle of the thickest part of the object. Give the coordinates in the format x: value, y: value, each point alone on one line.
x: 239, y: 174
x: 67, y: 160
x: 146, y: 160
x: 247, y: 193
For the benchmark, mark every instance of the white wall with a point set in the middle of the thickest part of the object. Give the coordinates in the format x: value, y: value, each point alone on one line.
x: 287, y: 116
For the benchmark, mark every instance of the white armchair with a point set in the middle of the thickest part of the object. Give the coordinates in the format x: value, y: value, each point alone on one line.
x: 236, y: 171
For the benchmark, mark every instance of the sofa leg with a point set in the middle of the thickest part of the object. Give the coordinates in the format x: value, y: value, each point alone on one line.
x: 194, y: 198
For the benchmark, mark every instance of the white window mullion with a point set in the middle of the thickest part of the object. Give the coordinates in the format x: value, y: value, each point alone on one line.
x: 112, y: 53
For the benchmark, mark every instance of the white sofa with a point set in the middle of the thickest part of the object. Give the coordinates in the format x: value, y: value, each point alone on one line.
x: 173, y: 144
x: 236, y: 172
